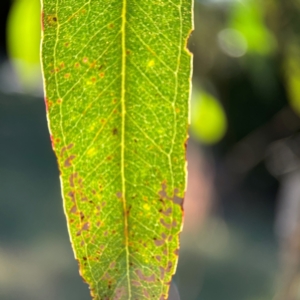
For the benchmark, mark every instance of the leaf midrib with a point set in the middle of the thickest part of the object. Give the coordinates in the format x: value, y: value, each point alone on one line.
x: 123, y: 113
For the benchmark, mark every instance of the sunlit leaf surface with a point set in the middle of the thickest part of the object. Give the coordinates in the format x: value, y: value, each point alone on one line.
x: 117, y: 80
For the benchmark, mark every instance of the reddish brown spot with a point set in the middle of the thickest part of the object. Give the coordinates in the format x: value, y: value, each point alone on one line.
x: 67, y: 44
x: 82, y: 243
x: 77, y: 65
x: 146, y: 294
x: 59, y: 101
x: 168, y: 226
x: 68, y: 161
x: 46, y: 104
x: 67, y: 75
x: 71, y: 194
x: 136, y: 283
x: 81, y: 216
x: 101, y: 75
x: 98, y: 224
x: 176, y: 252
x: 71, y: 179
x: 73, y: 210
x: 158, y: 257
x: 52, y: 140
x: 167, y: 212
x: 127, y: 52
x: 119, y: 195
x: 93, y: 79
x: 85, y: 59
x: 175, y: 198
x: 112, y: 265
x: 65, y: 148
x: 108, y: 157
x: 162, y: 273
x: 115, y: 131
x: 111, y: 25
x: 85, y: 226
x: 140, y: 274
x: 84, y: 258
x: 62, y: 65
x: 169, y: 267
x: 159, y: 243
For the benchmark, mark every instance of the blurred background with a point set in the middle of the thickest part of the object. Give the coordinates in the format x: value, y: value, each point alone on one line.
x: 241, y: 239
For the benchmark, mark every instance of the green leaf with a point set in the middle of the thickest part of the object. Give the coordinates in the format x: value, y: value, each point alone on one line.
x: 117, y: 79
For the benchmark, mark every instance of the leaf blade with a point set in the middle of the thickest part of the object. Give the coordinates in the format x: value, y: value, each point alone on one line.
x: 117, y: 105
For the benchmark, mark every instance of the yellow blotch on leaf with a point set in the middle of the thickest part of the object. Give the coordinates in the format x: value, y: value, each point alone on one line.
x: 92, y: 151
x: 151, y: 63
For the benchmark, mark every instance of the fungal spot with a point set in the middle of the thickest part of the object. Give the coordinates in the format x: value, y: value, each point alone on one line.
x: 67, y: 44
x: 52, y: 19
x: 77, y: 65
x: 112, y: 265
x: 67, y: 75
x: 59, y: 101
x: 119, y: 195
x: 158, y: 257
x: 111, y: 25
x: 85, y: 60
x: 84, y: 258
x: 101, y: 75
x: 62, y: 65
x: 127, y: 52
x: 68, y: 161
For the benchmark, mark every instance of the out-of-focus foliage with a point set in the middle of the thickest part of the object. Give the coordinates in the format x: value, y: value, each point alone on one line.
x: 208, y: 120
x: 23, y: 39
x: 247, y: 18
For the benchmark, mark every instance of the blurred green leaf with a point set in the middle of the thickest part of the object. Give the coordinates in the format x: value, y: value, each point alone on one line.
x: 247, y: 17
x: 208, y: 120
x: 23, y: 39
